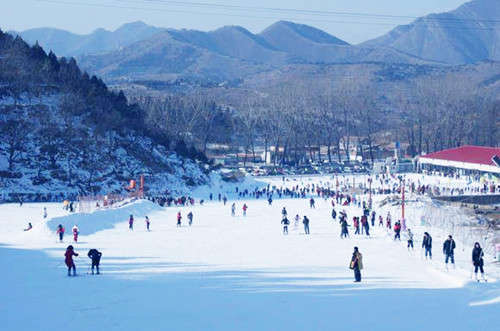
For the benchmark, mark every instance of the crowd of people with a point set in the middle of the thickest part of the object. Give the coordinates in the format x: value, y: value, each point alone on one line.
x: 340, y: 193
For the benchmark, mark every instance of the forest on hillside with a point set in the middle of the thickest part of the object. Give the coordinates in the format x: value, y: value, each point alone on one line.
x: 63, y: 130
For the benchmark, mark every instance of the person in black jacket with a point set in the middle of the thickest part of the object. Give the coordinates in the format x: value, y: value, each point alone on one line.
x: 95, y: 256
x: 344, y: 233
x: 305, y: 221
x: 477, y: 259
x: 285, y: 223
x: 356, y: 264
x: 427, y: 245
x: 448, y: 250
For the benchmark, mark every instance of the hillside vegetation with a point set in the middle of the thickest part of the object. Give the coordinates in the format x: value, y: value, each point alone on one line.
x: 63, y: 131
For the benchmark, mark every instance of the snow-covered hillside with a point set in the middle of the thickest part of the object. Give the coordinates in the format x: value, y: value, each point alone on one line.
x: 235, y: 272
x: 74, y: 157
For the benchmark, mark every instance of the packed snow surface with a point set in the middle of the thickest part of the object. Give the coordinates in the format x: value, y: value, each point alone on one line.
x: 233, y: 272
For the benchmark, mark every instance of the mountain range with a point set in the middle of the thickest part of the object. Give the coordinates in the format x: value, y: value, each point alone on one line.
x: 469, y: 34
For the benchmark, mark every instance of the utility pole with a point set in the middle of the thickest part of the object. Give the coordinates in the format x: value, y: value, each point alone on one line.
x: 403, y: 222
x: 370, y: 194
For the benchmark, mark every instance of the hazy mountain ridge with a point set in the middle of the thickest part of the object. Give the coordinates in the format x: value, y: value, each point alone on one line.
x: 466, y: 35
x: 138, y: 51
x: 65, y: 43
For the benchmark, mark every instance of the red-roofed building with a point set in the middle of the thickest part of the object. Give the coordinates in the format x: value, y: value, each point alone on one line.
x: 471, y: 158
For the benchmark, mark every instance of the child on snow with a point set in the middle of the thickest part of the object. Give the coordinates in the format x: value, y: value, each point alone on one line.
x: 76, y: 231
x: 69, y: 260
x: 60, y: 232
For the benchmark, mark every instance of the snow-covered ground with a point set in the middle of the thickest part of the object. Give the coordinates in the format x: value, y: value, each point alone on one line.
x: 235, y: 273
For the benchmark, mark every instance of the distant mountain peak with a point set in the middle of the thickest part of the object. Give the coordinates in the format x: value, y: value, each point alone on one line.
x: 304, y: 31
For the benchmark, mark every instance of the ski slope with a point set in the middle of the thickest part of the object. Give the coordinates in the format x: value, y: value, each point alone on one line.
x: 231, y: 273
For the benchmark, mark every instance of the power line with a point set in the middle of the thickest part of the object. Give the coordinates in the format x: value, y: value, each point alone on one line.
x: 454, y: 27
x: 308, y: 11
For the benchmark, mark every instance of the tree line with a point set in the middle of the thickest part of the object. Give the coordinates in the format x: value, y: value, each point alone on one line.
x: 298, y: 118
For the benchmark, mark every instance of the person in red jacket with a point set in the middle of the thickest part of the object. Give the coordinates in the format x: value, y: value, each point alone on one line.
x: 69, y: 260
x: 179, y: 218
x: 397, y: 230
x: 355, y: 221
x: 245, y: 207
x: 60, y: 232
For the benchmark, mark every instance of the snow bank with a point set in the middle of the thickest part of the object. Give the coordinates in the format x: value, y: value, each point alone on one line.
x: 103, y: 219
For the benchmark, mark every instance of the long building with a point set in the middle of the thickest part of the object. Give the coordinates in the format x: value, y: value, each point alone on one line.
x: 467, y: 159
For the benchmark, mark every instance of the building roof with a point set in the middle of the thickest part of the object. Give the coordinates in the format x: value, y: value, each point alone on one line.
x: 467, y: 154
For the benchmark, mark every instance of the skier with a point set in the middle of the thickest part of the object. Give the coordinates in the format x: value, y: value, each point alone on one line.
x: 224, y: 200
x: 131, y: 222
x: 356, y: 225
x: 356, y: 264
x: 366, y: 225
x: 69, y: 260
x: 245, y: 207
x: 190, y: 218
x: 75, y: 231
x: 29, y: 227
x: 373, y: 219
x: 312, y: 203
x: 344, y: 231
x: 233, y: 209
x: 388, y: 221
x: 448, y: 248
x: 296, y: 223
x: 334, y: 214
x: 44, y: 212
x: 427, y: 245
x: 285, y: 223
x: 148, y: 222
x: 60, y: 232
x: 477, y: 260
x: 283, y: 212
x: 410, y: 239
x: 305, y: 221
x: 397, y: 230
x: 179, y: 218
x: 95, y: 256
x: 270, y: 201
x: 380, y: 221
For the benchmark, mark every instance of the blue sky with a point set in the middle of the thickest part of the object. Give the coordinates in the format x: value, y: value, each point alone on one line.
x: 84, y: 16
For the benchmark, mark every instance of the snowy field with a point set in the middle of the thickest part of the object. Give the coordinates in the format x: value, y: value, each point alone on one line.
x: 234, y: 273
